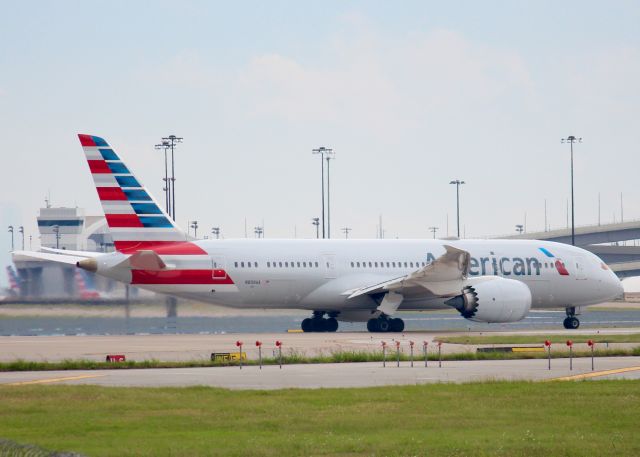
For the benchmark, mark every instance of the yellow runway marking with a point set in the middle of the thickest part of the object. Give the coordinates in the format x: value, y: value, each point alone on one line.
x: 595, y: 374
x: 50, y: 380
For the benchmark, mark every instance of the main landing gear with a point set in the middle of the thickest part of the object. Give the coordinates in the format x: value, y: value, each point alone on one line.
x: 318, y: 323
x: 571, y: 322
x: 385, y: 324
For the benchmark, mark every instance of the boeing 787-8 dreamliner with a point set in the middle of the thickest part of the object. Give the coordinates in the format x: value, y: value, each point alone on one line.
x: 336, y: 280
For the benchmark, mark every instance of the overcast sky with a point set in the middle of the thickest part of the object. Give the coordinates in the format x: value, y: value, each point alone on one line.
x: 409, y: 94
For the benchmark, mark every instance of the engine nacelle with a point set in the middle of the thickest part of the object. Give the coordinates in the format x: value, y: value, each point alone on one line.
x: 493, y: 300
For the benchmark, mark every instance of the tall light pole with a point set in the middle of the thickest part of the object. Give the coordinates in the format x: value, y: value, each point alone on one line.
x: 172, y: 141
x: 167, y: 187
x: 572, y: 139
x: 433, y: 230
x: 322, y: 151
x: 458, y: 183
x: 194, y: 226
x: 316, y: 221
x: 346, y: 231
x: 216, y: 231
x: 258, y: 231
x: 11, y: 231
x: 519, y: 228
x: 329, y: 157
x: 21, y: 231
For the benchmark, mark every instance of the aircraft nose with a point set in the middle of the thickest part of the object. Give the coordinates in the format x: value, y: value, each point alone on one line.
x: 618, y: 286
x: 614, y: 285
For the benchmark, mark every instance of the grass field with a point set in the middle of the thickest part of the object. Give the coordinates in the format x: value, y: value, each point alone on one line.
x: 503, y: 419
x: 539, y: 339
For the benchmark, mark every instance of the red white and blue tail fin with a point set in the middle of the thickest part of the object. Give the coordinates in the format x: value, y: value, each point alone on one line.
x: 135, y: 219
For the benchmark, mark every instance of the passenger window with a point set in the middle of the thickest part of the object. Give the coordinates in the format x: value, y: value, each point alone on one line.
x: 405, y: 265
x: 411, y: 264
x: 255, y: 264
x: 317, y: 265
x: 352, y: 265
x: 298, y: 264
x: 286, y: 264
x: 248, y: 264
x: 376, y: 264
x: 393, y: 264
x: 304, y: 264
x: 370, y: 265
x: 242, y: 264
x: 358, y: 264
x: 268, y: 264
x: 235, y: 264
x: 387, y: 264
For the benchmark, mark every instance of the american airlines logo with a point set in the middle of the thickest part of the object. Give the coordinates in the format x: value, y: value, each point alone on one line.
x: 511, y: 266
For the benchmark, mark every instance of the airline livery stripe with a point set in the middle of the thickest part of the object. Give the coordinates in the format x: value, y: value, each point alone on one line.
x: 146, y: 208
x: 179, y: 277
x: 98, y: 166
x: 105, y: 180
x: 108, y: 154
x: 111, y: 193
x: 155, y: 221
x: 127, y: 181
x: 86, y: 140
x: 123, y: 220
x: 118, y: 167
x: 160, y: 247
x: 137, y: 194
x: 117, y: 208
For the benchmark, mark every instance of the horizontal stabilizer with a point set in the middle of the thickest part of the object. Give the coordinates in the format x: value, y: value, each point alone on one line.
x: 40, y: 256
x: 83, y: 254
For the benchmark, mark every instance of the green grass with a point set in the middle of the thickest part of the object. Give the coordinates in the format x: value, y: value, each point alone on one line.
x: 497, y: 419
x: 300, y: 358
x: 539, y: 339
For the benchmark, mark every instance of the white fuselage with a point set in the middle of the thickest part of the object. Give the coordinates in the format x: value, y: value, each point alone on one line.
x: 318, y: 274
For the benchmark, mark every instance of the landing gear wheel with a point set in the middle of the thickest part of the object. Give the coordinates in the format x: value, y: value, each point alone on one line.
x: 331, y: 325
x: 396, y: 325
x: 319, y: 325
x: 307, y: 325
x: 571, y: 323
x: 383, y: 325
x: 372, y: 325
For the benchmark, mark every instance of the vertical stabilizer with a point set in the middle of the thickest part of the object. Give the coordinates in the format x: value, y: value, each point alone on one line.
x: 135, y: 220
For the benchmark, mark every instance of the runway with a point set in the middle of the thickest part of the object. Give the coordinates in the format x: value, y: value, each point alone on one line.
x: 338, y: 375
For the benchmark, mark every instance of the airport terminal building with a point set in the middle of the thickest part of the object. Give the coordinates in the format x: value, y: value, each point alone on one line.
x: 71, y: 229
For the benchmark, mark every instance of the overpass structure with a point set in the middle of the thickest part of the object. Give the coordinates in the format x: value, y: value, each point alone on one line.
x: 603, y: 240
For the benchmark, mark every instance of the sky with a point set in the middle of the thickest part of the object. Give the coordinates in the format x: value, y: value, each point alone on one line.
x: 410, y: 95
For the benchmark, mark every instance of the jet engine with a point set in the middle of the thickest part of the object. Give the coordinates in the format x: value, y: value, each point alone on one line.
x: 493, y: 300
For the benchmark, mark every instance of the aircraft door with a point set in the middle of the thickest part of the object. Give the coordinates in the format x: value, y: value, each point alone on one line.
x: 218, y: 266
x: 329, y: 264
x: 579, y: 263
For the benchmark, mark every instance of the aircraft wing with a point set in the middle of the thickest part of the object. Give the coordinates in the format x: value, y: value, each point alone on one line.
x: 441, y: 278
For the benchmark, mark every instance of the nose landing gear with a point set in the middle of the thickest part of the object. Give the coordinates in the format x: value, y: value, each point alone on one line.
x: 318, y: 323
x: 571, y: 322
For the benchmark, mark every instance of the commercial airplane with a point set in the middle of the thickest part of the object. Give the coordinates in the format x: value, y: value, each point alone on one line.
x: 344, y: 280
